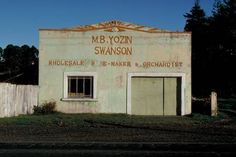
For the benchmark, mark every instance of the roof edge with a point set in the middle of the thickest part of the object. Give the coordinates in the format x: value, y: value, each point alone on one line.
x: 113, y: 26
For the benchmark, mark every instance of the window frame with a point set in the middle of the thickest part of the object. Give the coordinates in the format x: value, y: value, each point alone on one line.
x: 80, y: 87
x: 80, y: 74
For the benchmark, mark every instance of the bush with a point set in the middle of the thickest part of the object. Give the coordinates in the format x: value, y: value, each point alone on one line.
x: 37, y: 109
x: 45, y: 108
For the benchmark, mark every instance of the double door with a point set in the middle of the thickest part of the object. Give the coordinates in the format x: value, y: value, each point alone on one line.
x: 155, y: 95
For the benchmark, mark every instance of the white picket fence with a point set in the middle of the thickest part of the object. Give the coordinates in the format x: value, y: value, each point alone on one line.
x: 17, y: 99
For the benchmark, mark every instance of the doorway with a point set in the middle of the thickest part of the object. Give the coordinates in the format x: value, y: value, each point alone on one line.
x: 151, y: 95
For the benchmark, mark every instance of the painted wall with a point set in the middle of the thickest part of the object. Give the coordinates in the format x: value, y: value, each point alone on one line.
x: 112, y: 51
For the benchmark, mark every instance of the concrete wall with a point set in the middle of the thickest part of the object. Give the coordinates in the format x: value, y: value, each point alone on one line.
x: 76, y: 50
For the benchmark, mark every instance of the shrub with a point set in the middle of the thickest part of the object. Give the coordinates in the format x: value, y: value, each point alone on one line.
x: 45, y: 108
x: 37, y: 109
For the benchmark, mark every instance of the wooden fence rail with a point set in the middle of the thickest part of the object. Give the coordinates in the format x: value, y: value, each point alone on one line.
x: 17, y: 99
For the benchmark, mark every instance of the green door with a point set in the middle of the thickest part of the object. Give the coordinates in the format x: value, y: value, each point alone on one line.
x: 153, y: 96
x: 170, y: 96
x: 147, y: 96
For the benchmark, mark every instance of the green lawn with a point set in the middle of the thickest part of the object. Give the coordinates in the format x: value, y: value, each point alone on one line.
x: 227, y: 103
x: 87, y: 119
x: 121, y: 127
x: 121, y: 119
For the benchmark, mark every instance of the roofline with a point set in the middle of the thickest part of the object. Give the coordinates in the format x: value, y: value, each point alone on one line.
x: 108, y: 26
x: 73, y: 30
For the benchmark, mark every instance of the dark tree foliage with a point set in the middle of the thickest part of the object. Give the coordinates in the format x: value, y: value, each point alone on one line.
x: 1, y: 52
x: 196, y: 19
x: 223, y: 45
x: 1, y: 59
x: 19, y: 65
x: 213, y: 48
x: 197, y: 22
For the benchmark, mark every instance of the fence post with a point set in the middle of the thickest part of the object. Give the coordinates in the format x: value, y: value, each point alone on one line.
x: 213, y: 104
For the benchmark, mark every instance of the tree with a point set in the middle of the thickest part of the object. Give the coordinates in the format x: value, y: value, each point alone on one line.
x: 196, y: 19
x: 197, y: 23
x: 1, y: 59
x: 223, y: 45
x: 30, y: 64
x: 12, y: 58
x: 1, y: 51
x: 20, y: 65
x: 223, y: 22
x: 213, y: 48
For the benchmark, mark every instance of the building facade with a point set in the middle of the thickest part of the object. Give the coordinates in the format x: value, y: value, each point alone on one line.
x: 116, y: 67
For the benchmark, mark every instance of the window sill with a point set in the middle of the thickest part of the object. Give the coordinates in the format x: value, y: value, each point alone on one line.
x: 81, y: 100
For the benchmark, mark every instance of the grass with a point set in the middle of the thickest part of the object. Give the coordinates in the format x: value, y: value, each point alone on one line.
x: 227, y: 103
x: 205, y: 119
x: 118, y: 127
x: 86, y: 119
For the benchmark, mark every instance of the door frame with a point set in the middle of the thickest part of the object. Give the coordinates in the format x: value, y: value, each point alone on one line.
x: 140, y: 74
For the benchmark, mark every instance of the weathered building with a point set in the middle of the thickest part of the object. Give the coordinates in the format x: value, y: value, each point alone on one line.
x: 116, y: 67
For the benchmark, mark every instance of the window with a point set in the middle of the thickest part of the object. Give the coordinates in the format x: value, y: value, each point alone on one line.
x: 80, y: 85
